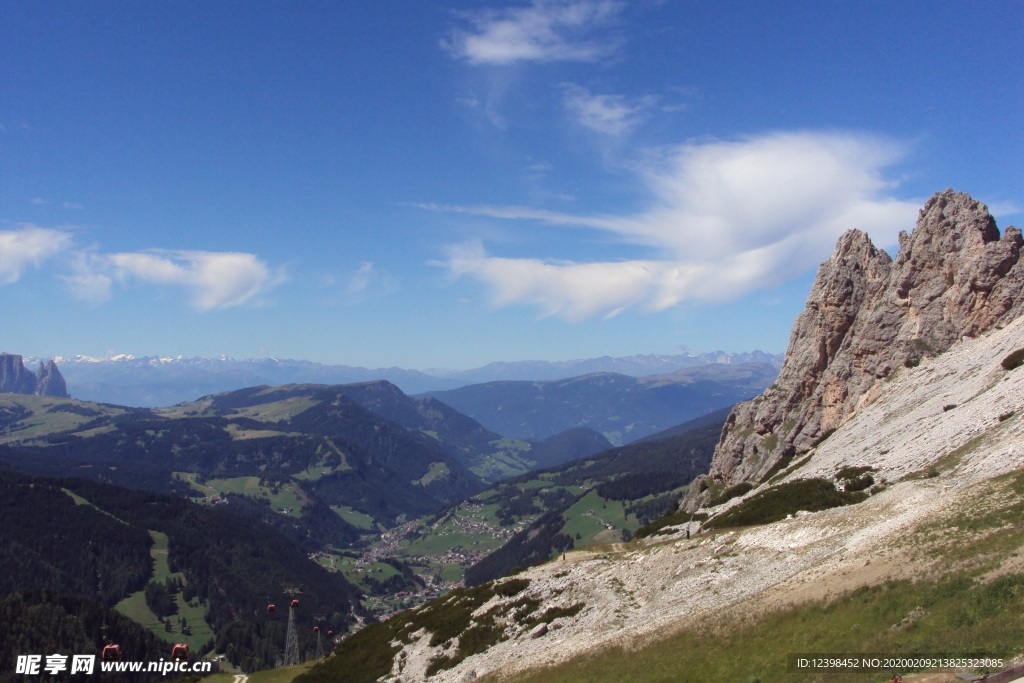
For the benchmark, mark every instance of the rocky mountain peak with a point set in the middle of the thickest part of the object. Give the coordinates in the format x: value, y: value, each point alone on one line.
x: 867, y: 316
x: 49, y: 381
x: 15, y: 378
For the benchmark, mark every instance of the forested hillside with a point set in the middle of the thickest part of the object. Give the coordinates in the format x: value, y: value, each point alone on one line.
x: 78, y: 540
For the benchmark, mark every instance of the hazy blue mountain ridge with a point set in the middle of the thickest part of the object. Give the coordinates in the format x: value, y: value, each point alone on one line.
x: 151, y: 381
x: 620, y: 407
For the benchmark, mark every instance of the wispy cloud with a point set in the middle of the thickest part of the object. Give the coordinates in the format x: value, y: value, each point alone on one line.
x: 543, y: 31
x: 1004, y: 208
x: 607, y: 114
x: 42, y: 201
x: 368, y: 282
x: 28, y: 246
x: 724, y: 218
x: 214, y: 280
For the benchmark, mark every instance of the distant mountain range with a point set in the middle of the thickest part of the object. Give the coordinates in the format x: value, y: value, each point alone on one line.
x: 621, y: 408
x: 152, y: 381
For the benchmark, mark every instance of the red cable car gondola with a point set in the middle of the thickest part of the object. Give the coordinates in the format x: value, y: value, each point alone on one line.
x: 330, y: 634
x: 295, y: 603
x: 111, y: 653
x: 179, y: 651
x: 271, y: 608
x: 316, y: 629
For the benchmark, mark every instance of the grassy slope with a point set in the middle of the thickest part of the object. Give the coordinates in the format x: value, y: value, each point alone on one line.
x: 960, y: 617
x: 283, y: 675
x: 134, y: 606
x: 286, y: 497
x: 48, y: 415
x: 971, y: 601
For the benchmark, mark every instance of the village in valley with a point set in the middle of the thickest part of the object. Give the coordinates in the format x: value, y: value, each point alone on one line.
x: 436, y: 557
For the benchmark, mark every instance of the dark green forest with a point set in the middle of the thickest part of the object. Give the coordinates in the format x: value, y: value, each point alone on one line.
x: 46, y: 622
x: 101, y: 554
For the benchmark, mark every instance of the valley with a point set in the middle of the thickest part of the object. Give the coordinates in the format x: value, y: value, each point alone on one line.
x: 883, y: 517
x: 511, y: 341
x: 396, y: 497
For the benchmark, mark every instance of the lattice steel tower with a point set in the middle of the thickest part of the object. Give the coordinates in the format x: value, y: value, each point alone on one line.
x: 291, y: 641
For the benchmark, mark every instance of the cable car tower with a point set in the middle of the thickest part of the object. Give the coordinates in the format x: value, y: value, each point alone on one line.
x: 317, y: 620
x: 291, y: 641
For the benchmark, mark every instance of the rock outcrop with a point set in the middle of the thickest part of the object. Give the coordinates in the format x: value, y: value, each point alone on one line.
x: 49, y: 381
x: 867, y: 316
x: 15, y: 378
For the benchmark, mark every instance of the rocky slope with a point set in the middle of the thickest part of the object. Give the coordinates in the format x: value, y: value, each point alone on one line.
x: 867, y: 316
x: 904, y: 359
x: 935, y: 467
x: 15, y: 378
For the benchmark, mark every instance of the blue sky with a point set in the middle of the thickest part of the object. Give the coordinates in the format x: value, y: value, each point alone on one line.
x: 442, y: 184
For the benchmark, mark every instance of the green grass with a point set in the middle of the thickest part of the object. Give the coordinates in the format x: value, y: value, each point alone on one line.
x: 440, y: 543
x: 732, y: 492
x: 780, y: 501
x: 278, y: 410
x: 436, y: 471
x: 284, y: 674
x: 451, y: 572
x: 590, y: 516
x: 79, y: 500
x: 134, y: 606
x: 322, y: 469
x: 191, y: 478
x: 286, y: 497
x: 534, y: 483
x: 500, y: 465
x: 47, y: 415
x: 360, y: 520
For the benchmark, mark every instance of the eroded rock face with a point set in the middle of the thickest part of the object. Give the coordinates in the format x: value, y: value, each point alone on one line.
x: 49, y: 381
x: 868, y: 315
x: 15, y: 378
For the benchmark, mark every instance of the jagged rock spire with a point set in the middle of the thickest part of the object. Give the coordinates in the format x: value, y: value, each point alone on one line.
x: 49, y: 381
x: 15, y: 378
x: 867, y: 315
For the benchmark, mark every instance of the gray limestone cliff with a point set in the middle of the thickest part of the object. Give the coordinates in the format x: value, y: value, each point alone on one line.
x: 868, y: 315
x: 15, y: 378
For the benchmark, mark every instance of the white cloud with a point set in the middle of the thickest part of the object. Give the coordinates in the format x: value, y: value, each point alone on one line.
x: 544, y: 31
x: 213, y: 279
x: 1004, y: 208
x: 724, y: 219
x: 88, y: 282
x: 28, y: 246
x: 368, y: 282
x: 608, y: 114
